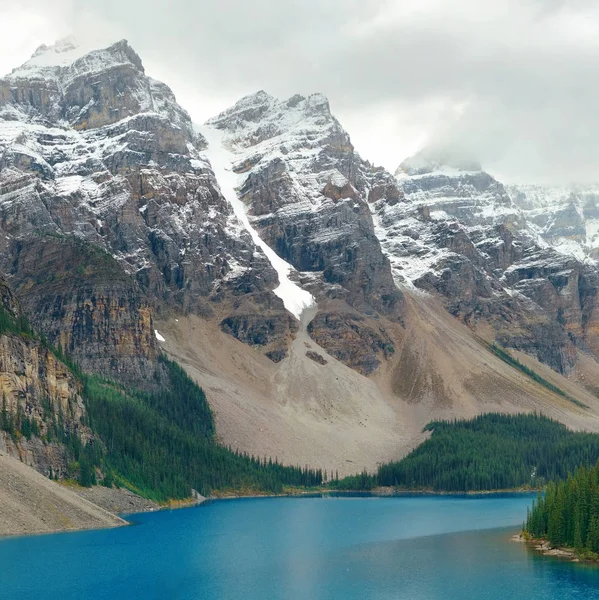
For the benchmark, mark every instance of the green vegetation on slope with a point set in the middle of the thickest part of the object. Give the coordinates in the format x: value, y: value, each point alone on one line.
x: 506, y: 357
x: 489, y: 452
x: 568, y: 513
x: 16, y: 325
x: 19, y: 425
x: 161, y: 444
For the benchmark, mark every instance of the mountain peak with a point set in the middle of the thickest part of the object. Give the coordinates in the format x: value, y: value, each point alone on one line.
x: 51, y: 60
x: 261, y: 107
x: 437, y: 160
x: 61, y: 53
x: 318, y: 103
x: 258, y: 98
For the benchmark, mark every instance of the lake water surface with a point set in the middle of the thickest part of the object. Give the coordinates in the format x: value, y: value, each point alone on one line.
x: 413, y: 548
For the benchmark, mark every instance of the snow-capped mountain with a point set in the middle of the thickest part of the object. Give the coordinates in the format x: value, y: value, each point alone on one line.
x: 460, y: 233
x: 94, y: 150
x: 566, y: 217
x: 306, y: 192
x: 299, y: 172
x: 443, y: 206
x: 317, y: 298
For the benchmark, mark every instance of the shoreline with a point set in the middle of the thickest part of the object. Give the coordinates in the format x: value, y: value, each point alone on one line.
x: 376, y: 492
x: 542, y: 546
x: 120, y: 503
x: 30, y: 503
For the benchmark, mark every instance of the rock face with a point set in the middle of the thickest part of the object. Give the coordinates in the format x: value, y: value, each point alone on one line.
x: 85, y: 304
x: 307, y: 191
x: 271, y: 330
x: 94, y: 150
x: 37, y: 387
x: 352, y: 340
x: 458, y: 233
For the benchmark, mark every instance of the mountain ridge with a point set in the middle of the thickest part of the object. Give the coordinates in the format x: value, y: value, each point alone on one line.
x: 115, y: 224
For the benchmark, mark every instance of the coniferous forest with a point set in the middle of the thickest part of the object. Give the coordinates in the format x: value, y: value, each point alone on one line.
x: 568, y: 513
x: 162, y: 444
x: 491, y: 452
x: 158, y: 444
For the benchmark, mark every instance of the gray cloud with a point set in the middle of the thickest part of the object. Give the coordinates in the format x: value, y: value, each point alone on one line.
x: 510, y: 82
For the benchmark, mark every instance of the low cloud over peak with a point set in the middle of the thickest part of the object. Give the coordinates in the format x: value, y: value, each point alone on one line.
x: 511, y: 83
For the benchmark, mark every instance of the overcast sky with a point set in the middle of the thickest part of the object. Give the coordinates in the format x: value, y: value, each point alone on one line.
x: 513, y: 83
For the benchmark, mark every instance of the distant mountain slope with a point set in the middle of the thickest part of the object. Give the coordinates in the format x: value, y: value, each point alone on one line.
x: 565, y: 217
x: 459, y: 234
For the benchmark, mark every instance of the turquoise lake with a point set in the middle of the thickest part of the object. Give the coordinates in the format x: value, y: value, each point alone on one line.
x: 409, y: 547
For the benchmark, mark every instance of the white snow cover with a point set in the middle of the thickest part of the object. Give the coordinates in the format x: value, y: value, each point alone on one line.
x: 477, y: 203
x: 541, y: 205
x: 295, y: 132
x: 67, y: 59
x: 62, y: 53
x: 159, y: 337
x: 75, y: 164
x: 295, y: 299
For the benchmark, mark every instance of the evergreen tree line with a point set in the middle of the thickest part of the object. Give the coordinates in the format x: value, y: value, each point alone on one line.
x: 18, y: 424
x: 568, y: 513
x: 11, y: 324
x: 490, y: 452
x: 162, y: 444
x: 506, y: 357
x: 358, y: 483
x: 159, y: 444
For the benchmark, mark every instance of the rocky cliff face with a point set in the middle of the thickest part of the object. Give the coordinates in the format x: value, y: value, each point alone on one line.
x: 94, y: 150
x: 306, y: 191
x: 87, y: 305
x: 459, y: 234
x: 40, y: 397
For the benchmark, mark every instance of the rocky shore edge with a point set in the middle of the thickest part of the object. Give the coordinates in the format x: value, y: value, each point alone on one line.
x: 542, y: 546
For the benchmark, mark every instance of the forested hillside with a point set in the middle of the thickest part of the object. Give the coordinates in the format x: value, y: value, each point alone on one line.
x: 159, y: 444
x: 489, y: 452
x: 162, y: 444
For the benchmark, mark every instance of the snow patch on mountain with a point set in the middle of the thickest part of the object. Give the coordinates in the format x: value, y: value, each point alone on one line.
x: 67, y: 59
x: 295, y: 299
x: 407, y: 242
x: 62, y: 53
x: 564, y: 217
